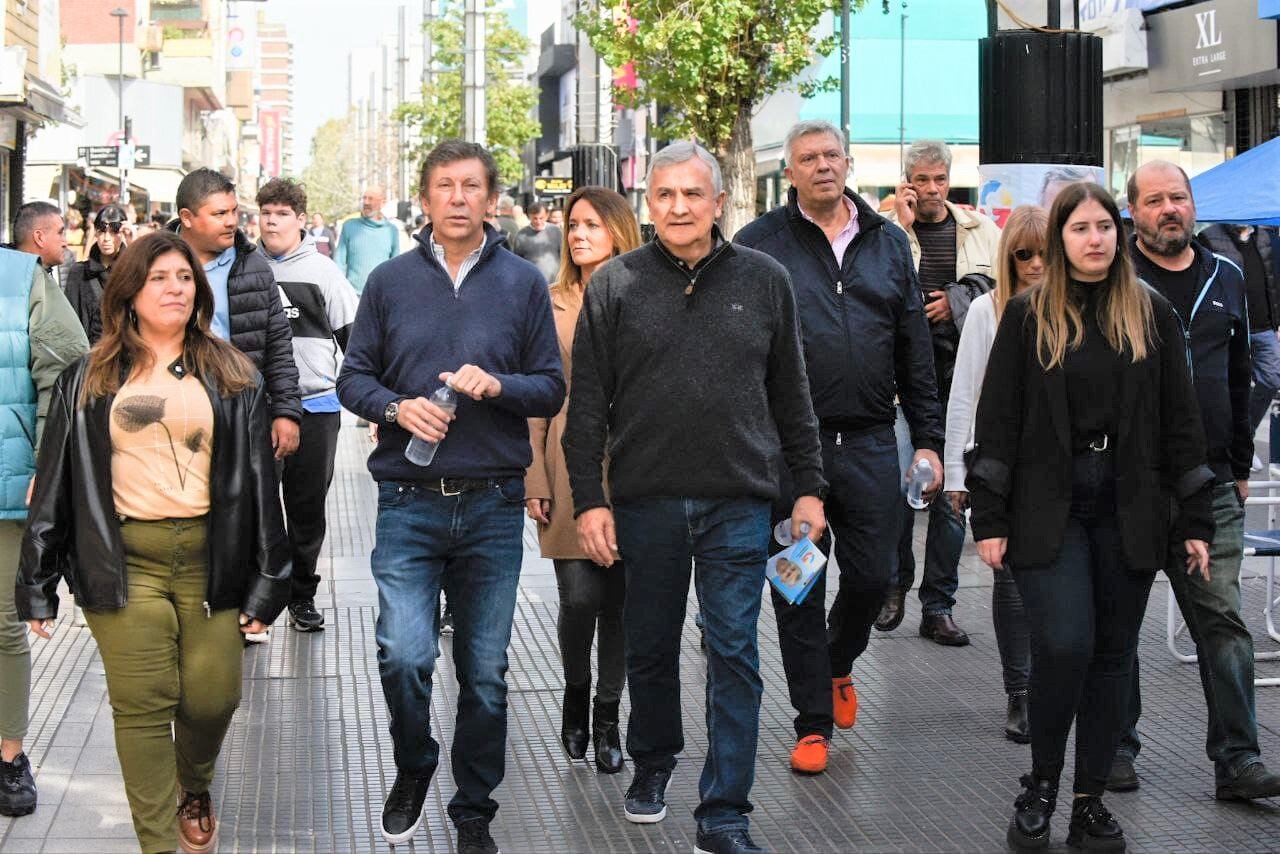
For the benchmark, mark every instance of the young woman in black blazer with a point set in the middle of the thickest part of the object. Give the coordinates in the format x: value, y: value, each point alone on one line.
x: 1090, y: 460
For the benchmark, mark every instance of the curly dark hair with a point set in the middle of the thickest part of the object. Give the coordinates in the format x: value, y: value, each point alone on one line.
x: 284, y: 191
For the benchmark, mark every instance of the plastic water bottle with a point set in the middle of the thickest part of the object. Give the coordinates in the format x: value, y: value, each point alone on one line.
x: 918, y: 479
x: 419, y: 451
x: 782, y: 531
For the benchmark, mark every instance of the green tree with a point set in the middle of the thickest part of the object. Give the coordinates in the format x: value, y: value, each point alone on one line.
x: 509, y: 104
x: 332, y: 184
x: 712, y: 62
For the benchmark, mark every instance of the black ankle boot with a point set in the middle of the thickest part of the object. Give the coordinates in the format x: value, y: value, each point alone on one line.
x: 1016, y: 726
x: 574, y: 723
x: 604, y: 731
x: 1029, y: 829
x: 1093, y: 828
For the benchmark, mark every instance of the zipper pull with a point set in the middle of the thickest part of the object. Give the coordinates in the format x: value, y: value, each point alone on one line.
x: 839, y: 287
x: 839, y: 439
x: 208, y: 612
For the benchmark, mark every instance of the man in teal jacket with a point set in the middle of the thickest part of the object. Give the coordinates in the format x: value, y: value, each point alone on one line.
x: 367, y: 240
x: 37, y: 345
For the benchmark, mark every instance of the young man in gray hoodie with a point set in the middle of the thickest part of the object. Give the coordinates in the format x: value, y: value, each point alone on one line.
x: 321, y: 306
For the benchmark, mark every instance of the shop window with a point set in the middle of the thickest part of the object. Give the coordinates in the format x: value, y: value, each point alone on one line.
x: 1195, y: 143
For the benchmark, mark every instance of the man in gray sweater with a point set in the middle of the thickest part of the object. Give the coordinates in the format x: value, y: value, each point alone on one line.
x: 687, y: 363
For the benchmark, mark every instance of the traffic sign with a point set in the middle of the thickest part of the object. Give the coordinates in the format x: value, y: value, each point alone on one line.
x: 100, y: 155
x: 142, y: 155
x: 546, y: 185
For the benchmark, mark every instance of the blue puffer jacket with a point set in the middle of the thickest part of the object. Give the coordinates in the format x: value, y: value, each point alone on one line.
x: 17, y: 390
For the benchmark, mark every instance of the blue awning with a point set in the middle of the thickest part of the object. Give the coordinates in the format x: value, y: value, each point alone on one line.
x: 1244, y: 189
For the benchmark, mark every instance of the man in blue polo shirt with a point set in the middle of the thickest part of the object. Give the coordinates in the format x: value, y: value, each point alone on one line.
x: 460, y: 309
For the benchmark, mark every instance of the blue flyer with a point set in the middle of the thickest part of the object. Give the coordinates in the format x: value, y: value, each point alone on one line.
x: 794, y: 570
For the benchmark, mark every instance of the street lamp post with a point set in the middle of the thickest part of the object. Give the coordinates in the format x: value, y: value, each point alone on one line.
x: 120, y: 14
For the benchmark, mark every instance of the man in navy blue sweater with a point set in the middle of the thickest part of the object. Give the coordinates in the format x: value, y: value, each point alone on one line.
x: 461, y: 309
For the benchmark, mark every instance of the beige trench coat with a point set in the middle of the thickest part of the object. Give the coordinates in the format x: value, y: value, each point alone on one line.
x: 547, y: 476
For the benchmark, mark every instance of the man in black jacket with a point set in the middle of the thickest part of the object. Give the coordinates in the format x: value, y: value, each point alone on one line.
x: 687, y: 363
x: 865, y: 337
x: 247, y: 309
x: 1207, y: 292
x: 1251, y: 249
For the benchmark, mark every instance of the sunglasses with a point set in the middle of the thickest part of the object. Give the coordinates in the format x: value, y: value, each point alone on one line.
x: 1025, y: 255
x: 113, y: 227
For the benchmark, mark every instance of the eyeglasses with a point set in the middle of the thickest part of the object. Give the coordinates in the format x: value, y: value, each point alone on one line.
x: 1025, y: 255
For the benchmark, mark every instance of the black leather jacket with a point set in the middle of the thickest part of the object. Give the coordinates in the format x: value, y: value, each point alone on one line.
x: 73, y: 530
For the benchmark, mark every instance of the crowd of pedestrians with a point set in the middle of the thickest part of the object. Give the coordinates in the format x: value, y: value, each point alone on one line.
x: 669, y: 414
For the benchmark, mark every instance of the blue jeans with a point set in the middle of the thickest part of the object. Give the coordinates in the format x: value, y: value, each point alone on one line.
x: 942, y: 545
x: 1224, y: 645
x: 1085, y: 610
x: 469, y: 544
x: 1265, y: 354
x: 727, y: 540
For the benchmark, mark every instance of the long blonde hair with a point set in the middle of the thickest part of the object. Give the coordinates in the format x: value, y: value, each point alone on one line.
x: 619, y: 220
x: 1025, y: 229
x: 1124, y: 311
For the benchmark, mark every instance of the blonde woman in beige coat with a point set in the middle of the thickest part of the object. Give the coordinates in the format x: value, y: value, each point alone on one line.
x: 598, y: 226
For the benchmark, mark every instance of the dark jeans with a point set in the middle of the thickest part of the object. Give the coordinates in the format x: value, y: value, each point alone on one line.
x: 1264, y: 351
x: 1224, y: 646
x: 726, y: 539
x: 1013, y: 635
x: 471, y: 545
x: 305, y: 482
x: 1085, y: 610
x: 862, y: 510
x: 591, y: 596
x: 942, y: 546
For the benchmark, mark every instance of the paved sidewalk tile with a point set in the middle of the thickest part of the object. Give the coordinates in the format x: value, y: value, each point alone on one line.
x: 308, y: 760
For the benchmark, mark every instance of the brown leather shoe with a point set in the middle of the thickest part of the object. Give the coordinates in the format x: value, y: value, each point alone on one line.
x: 892, y: 611
x: 197, y: 825
x: 941, y: 629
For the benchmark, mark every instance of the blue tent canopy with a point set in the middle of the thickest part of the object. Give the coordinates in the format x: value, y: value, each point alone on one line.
x: 1244, y: 189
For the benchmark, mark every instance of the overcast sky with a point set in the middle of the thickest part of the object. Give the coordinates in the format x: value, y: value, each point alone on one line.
x: 322, y: 32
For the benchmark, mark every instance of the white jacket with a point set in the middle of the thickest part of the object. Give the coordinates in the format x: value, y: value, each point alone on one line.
x: 966, y: 388
x: 977, y: 237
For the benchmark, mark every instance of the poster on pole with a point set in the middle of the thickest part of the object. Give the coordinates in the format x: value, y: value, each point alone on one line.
x: 1004, y: 186
x: 270, y: 134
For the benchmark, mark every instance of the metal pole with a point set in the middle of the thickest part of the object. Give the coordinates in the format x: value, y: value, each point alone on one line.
x: 402, y: 95
x: 120, y: 14
x: 902, y: 89
x: 845, y: 79
x: 473, y: 73
x: 1055, y: 14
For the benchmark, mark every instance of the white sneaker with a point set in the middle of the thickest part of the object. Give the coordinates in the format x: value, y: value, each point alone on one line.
x: 263, y: 636
x: 1257, y: 464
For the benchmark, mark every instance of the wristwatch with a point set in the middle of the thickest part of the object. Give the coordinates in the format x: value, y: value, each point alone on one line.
x: 392, y: 410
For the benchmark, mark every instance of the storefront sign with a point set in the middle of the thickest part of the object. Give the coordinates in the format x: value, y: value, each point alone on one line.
x: 549, y: 186
x: 1221, y: 44
x: 1004, y: 186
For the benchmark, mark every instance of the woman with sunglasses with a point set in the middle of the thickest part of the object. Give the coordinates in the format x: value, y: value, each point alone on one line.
x: 156, y: 497
x: 1019, y: 265
x: 87, y: 278
x: 1089, y: 460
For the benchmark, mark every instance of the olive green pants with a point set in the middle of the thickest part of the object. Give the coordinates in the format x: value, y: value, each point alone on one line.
x: 173, y: 673
x: 15, y: 654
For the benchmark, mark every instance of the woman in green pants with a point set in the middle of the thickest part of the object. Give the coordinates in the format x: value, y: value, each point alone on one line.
x: 161, y: 423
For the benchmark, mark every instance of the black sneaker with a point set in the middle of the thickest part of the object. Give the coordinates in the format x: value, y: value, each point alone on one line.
x: 1092, y: 827
x: 1123, y: 778
x: 474, y: 838
x: 1255, y: 781
x: 304, y: 617
x: 1029, y: 829
x: 735, y: 840
x: 646, y: 798
x: 17, y: 787
x: 402, y: 812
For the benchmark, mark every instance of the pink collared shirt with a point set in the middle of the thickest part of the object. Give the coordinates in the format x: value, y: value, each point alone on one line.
x: 842, y: 240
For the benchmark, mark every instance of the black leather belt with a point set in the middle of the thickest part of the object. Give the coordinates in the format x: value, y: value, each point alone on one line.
x: 458, y: 485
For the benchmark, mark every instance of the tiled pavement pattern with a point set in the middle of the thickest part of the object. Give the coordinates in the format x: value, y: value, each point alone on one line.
x: 308, y: 760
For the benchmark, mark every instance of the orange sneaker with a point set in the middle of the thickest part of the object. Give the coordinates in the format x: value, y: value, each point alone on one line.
x: 844, y: 702
x: 810, y: 755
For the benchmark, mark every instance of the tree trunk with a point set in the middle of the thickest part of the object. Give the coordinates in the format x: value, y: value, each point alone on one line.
x: 738, y: 165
